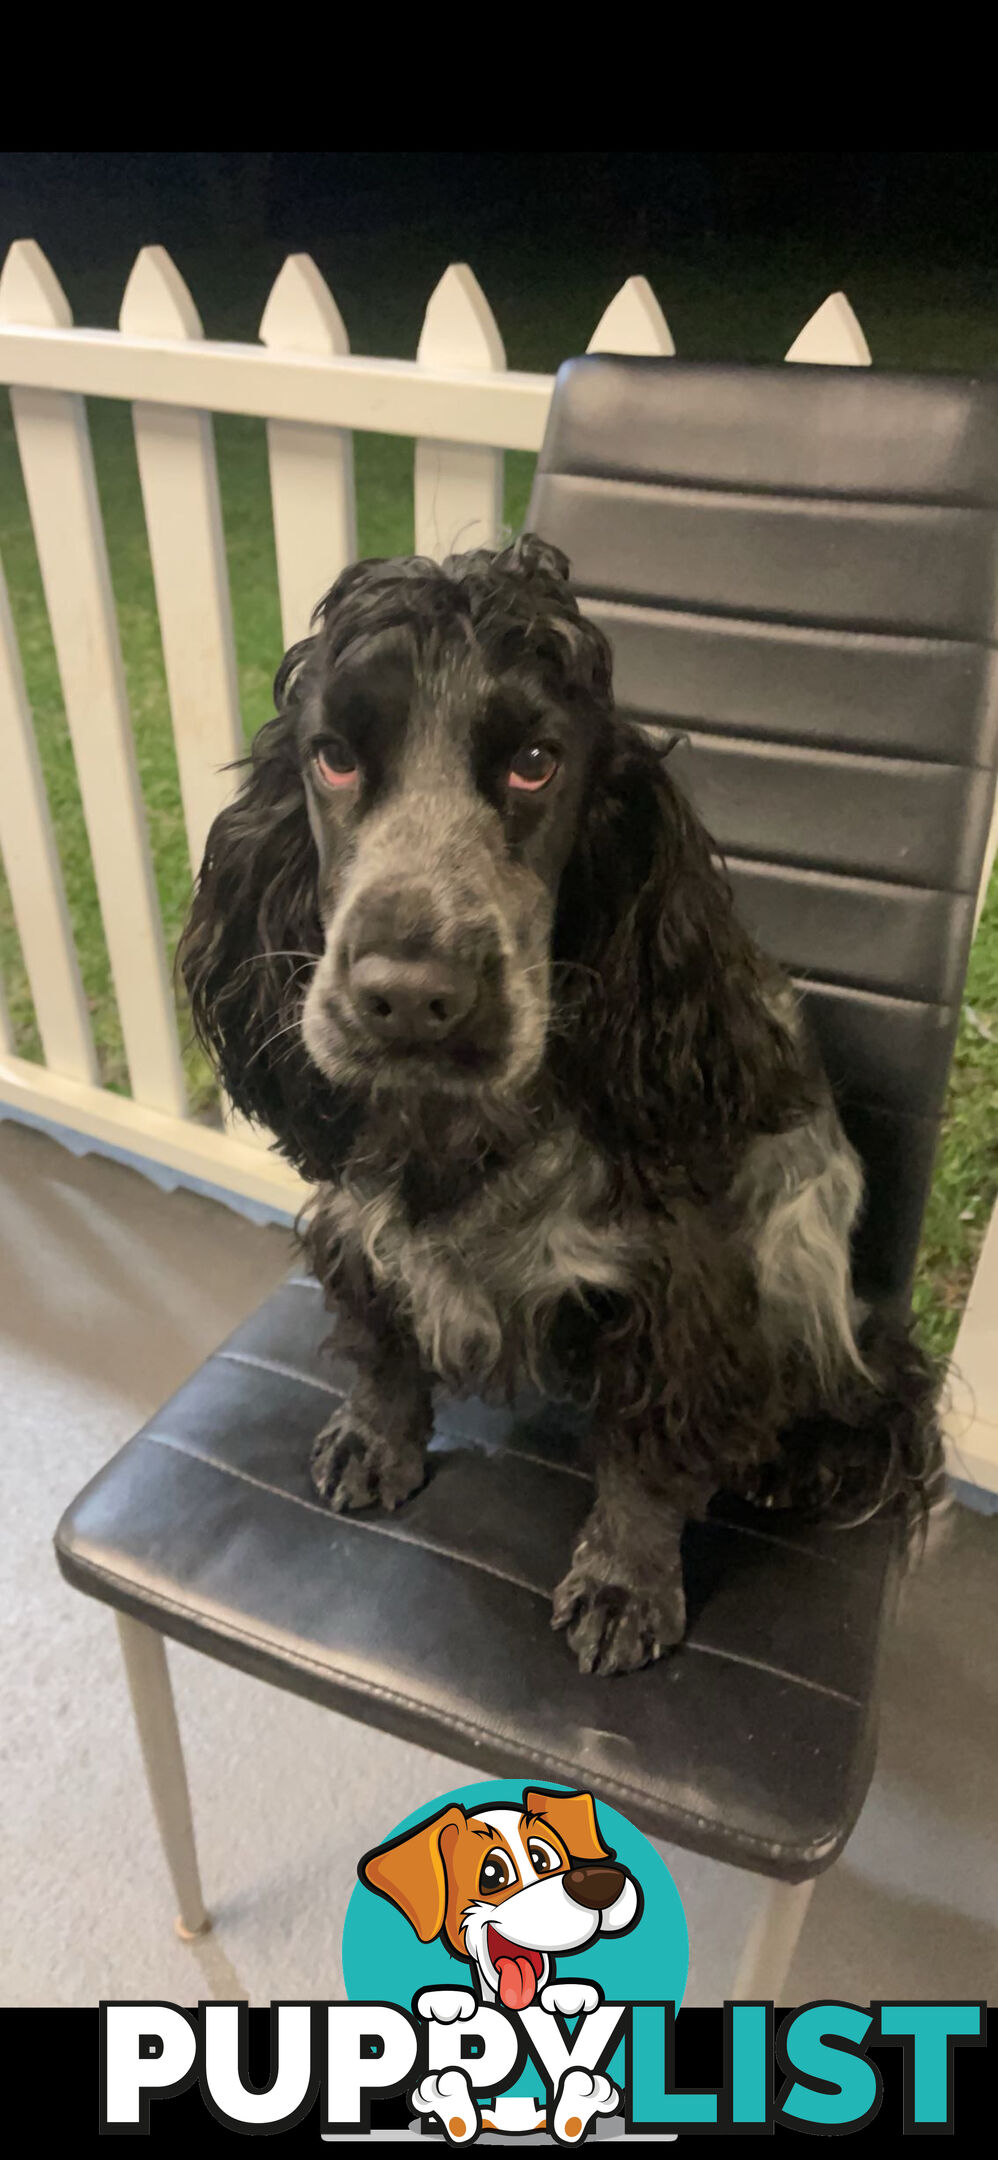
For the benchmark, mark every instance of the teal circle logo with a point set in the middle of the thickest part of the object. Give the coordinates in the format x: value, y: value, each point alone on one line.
x: 385, y: 1959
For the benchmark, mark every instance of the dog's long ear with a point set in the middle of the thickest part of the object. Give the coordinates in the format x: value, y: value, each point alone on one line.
x: 668, y: 1044
x: 573, y: 1817
x: 411, y: 1872
x: 252, y: 938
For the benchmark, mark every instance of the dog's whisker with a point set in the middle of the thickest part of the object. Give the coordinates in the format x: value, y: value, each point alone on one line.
x: 292, y: 1027
x: 263, y: 959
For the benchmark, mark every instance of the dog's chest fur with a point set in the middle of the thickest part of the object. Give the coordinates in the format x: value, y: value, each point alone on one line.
x: 479, y: 1282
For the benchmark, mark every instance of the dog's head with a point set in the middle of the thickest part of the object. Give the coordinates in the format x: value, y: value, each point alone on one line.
x: 448, y: 719
x: 508, y: 1888
x: 449, y: 862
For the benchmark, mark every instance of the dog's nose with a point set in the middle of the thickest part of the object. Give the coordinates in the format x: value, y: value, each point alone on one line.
x: 596, y: 1887
x: 411, y: 1001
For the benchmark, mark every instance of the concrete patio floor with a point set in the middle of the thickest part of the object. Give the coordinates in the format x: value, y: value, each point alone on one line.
x: 111, y: 1291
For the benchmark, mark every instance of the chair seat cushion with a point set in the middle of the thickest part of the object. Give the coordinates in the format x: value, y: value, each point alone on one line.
x: 753, y: 1742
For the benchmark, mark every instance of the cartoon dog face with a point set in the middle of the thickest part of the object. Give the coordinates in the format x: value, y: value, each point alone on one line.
x: 508, y: 1888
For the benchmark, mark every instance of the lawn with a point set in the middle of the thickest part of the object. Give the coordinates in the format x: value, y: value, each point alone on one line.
x: 545, y: 309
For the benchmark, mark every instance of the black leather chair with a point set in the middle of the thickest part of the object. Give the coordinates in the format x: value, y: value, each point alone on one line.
x: 796, y: 566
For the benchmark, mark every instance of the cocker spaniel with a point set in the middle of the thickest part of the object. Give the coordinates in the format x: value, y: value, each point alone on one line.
x: 461, y: 944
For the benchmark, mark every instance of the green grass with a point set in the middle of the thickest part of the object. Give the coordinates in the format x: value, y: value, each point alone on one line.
x: 546, y: 308
x: 966, y: 1176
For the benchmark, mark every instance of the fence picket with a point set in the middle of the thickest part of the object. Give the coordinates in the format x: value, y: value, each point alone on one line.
x: 53, y: 440
x: 179, y: 480
x: 633, y: 323
x: 832, y: 336
x: 34, y: 876
x: 458, y: 486
x: 311, y: 468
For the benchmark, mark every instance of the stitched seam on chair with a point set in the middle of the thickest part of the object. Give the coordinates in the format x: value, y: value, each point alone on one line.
x: 741, y: 858
x: 772, y: 750
x: 756, y: 491
x: 821, y: 875
x: 468, y: 1727
x: 518, y: 1454
x: 540, y: 1462
x: 874, y: 998
x: 804, y: 633
x: 845, y: 981
x: 182, y: 1447
x: 863, y: 991
x: 243, y: 1477
x: 753, y: 738
x: 788, y: 1544
x: 811, y: 868
x: 287, y: 1372
x: 776, y: 1672
x: 452, y: 1432
x: 482, y: 1567
x: 349, y: 1521
x: 794, y: 632
x: 291, y: 1372
x: 768, y: 619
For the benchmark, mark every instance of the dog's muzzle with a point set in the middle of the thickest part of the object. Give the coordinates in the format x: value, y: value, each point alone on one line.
x: 412, y: 983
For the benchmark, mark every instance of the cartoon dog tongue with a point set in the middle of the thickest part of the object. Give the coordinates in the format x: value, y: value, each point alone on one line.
x: 517, y: 1982
x: 519, y: 1971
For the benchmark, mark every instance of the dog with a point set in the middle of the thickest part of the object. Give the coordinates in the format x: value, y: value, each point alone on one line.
x: 462, y: 945
x: 507, y: 1890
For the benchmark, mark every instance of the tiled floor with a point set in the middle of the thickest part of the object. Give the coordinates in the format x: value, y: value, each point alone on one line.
x: 110, y: 1293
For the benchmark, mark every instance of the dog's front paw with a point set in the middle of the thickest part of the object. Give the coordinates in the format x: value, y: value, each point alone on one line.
x: 570, y: 1998
x: 614, y: 1628
x: 353, y: 1467
x: 446, y: 2005
x: 582, y: 2095
x: 448, y: 2095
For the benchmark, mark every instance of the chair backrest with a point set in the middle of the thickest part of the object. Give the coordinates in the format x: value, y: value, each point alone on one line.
x: 798, y: 568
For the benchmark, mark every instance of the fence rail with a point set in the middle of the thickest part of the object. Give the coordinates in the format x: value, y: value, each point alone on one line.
x: 463, y: 407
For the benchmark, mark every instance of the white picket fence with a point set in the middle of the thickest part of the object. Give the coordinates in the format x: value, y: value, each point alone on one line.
x: 464, y: 408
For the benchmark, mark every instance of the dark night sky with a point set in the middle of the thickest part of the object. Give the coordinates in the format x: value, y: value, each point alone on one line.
x: 740, y: 246
x: 940, y: 201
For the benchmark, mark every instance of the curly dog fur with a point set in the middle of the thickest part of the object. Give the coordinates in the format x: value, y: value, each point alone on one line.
x: 461, y: 944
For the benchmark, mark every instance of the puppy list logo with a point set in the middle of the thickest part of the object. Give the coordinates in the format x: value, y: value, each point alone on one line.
x: 555, y: 1914
x: 514, y: 1964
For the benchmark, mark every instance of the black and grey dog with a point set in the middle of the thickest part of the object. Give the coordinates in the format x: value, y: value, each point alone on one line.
x: 460, y: 943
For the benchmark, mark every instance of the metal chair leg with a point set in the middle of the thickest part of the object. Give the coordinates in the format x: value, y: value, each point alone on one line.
x: 772, y: 1939
x: 155, y: 1715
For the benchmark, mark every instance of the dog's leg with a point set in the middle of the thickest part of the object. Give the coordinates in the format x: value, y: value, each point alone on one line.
x: 374, y: 1447
x: 689, y: 1393
x: 622, y: 1600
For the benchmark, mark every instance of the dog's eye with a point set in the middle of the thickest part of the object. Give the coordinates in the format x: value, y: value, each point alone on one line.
x: 543, y: 1858
x: 497, y: 1872
x: 533, y: 767
x: 336, y: 765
